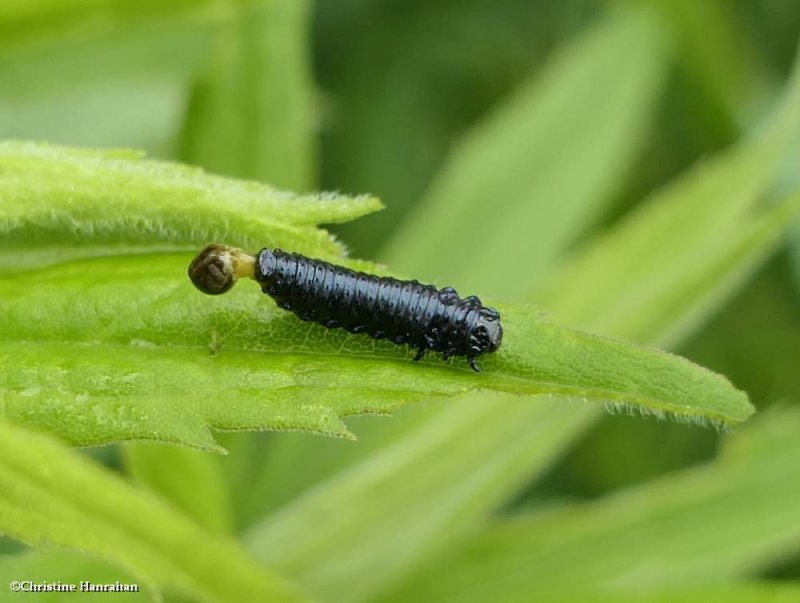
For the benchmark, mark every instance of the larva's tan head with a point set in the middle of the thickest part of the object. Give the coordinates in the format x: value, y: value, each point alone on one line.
x: 216, y: 268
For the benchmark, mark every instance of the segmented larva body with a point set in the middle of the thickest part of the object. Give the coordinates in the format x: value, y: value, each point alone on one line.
x: 405, y: 312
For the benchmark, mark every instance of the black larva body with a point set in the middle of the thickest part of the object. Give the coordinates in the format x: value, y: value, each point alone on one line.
x: 405, y: 312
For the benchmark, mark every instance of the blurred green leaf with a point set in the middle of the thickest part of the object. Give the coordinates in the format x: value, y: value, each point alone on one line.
x: 733, y: 592
x: 387, y: 483
x: 543, y: 166
x: 709, y: 221
x: 736, y: 592
x: 68, y: 568
x: 696, y: 271
x: 763, y: 357
x: 148, y: 105
x: 419, y: 492
x: 108, y: 349
x: 593, y: 56
x: 24, y: 23
x: 192, y: 481
x: 127, y: 88
x: 402, y: 87
x: 252, y: 116
x: 697, y: 527
x: 728, y: 81
x: 58, y: 203
x: 49, y: 494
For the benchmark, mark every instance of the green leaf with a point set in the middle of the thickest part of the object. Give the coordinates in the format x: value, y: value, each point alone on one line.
x: 58, y: 203
x: 708, y: 223
x: 68, y: 568
x: 118, y: 348
x: 544, y: 165
x: 689, y: 272
x: 595, y: 54
x: 778, y: 591
x: 252, y: 116
x: 697, y: 527
x: 129, y: 85
x: 456, y: 501
x: 193, y: 482
x: 49, y: 494
x: 383, y: 498
x: 24, y: 23
x: 727, y: 77
x: 763, y: 358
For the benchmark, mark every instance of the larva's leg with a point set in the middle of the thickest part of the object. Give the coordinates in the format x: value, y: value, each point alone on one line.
x: 474, y: 366
x: 420, y: 354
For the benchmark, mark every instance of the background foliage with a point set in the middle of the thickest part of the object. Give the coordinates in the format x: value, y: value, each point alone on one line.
x: 629, y: 167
